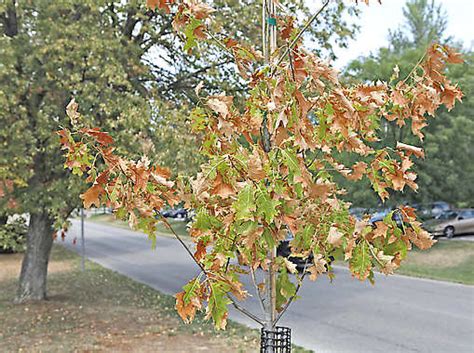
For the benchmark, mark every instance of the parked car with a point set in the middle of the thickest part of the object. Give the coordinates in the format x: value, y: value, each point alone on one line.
x: 284, y: 250
x: 179, y: 213
x: 432, y: 210
x: 381, y: 214
x: 451, y: 223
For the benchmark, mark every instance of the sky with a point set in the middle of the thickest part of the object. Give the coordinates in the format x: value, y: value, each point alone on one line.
x: 376, y: 20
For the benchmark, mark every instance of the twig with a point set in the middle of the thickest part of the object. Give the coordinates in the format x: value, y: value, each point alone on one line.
x: 290, y: 57
x: 220, y: 44
x: 288, y: 303
x: 165, y: 221
x: 298, y: 36
x: 244, y: 311
x: 414, y: 68
x: 254, y: 281
x: 374, y: 254
x: 234, y: 303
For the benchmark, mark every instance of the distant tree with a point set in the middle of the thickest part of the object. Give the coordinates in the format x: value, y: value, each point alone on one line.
x: 448, y: 145
x: 50, y: 51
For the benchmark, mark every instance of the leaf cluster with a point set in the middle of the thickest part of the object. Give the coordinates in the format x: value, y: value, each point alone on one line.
x: 271, y: 169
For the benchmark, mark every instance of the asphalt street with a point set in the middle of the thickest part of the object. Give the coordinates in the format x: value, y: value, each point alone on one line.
x: 398, y: 314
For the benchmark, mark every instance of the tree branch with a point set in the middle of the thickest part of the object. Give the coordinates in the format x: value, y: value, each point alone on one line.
x: 234, y: 303
x: 288, y: 303
x: 254, y: 281
x: 244, y: 311
x: 298, y: 36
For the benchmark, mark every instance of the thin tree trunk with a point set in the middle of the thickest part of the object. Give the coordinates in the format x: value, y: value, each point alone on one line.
x: 34, y: 268
x: 269, y: 46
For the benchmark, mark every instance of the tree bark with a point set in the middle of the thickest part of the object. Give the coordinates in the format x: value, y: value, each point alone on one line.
x: 34, y: 268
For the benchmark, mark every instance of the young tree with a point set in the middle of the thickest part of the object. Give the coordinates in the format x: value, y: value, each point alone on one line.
x: 101, y: 52
x: 271, y: 169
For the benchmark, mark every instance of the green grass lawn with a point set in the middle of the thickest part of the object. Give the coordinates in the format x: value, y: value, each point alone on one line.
x: 100, y: 310
x: 447, y: 260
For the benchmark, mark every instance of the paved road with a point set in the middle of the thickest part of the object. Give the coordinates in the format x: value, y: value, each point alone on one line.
x: 398, y: 314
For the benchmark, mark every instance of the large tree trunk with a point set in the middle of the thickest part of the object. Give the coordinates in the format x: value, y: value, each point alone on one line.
x: 34, y: 268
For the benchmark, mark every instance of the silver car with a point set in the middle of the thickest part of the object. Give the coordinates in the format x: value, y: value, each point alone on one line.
x: 451, y: 223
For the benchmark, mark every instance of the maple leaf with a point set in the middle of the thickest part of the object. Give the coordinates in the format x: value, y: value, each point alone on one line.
x: 388, y: 265
x: 417, y: 151
x: 291, y: 222
x: 360, y: 263
x: 335, y: 237
x: 200, y: 250
x: 285, y: 289
x: 101, y: 137
x: 200, y: 10
x: 358, y: 171
x: 319, y: 267
x: 453, y: 57
x: 250, y: 233
x: 420, y: 237
x: 220, y: 104
x: 245, y: 204
x: 217, y: 304
x: 291, y: 161
x: 320, y: 190
x: 91, y: 196
x: 65, y: 139
x: 380, y: 230
x: 221, y: 188
x: 160, y: 4
x: 290, y: 266
x: 255, y: 169
x: 266, y: 206
x: 186, y: 311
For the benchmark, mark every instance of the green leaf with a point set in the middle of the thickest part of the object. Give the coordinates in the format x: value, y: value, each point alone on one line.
x: 205, y: 221
x: 360, y: 263
x: 291, y: 161
x: 217, y: 305
x: 398, y: 246
x: 246, y: 228
x: 190, y: 289
x: 328, y: 110
x: 267, y: 237
x: 199, y: 119
x: 191, y: 41
x: 266, y: 206
x: 245, y: 206
x: 284, y: 287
